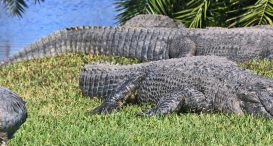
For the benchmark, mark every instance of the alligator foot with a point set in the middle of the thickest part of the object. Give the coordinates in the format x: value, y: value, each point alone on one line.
x: 177, y: 100
x: 169, y: 104
x: 148, y: 112
x: 106, y: 107
x: 3, y: 143
x: 3, y: 138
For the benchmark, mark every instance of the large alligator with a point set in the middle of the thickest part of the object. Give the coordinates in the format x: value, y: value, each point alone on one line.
x: 192, y: 84
x: 153, y: 43
x: 13, y: 114
x: 137, y: 42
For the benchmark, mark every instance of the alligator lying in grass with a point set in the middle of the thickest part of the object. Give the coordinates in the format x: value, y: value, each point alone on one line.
x: 153, y: 43
x: 193, y: 84
x: 13, y: 114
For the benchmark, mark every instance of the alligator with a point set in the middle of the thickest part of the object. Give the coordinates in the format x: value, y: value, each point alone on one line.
x: 141, y: 43
x: 150, y: 20
x: 189, y: 84
x: 153, y: 43
x: 13, y: 114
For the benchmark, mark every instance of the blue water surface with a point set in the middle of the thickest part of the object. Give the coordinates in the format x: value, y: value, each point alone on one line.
x: 49, y: 16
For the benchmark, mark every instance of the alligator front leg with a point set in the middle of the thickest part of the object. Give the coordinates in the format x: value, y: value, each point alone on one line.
x: 192, y: 99
x: 172, y: 103
x: 117, y: 99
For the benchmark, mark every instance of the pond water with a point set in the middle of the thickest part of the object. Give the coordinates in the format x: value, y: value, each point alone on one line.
x: 49, y: 16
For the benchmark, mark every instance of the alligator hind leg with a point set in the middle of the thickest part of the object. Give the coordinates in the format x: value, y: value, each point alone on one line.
x: 189, y: 99
x: 116, y: 100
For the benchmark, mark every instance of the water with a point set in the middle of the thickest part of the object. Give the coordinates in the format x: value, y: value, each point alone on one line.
x: 49, y: 16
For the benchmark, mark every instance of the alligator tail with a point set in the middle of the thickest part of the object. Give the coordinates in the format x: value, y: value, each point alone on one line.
x: 102, y: 79
x: 141, y: 43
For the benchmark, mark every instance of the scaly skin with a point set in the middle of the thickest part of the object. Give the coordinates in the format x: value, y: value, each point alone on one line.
x: 194, y: 84
x: 141, y: 43
x: 238, y: 44
x: 13, y: 114
x: 154, y: 42
x: 150, y: 20
x: 268, y: 27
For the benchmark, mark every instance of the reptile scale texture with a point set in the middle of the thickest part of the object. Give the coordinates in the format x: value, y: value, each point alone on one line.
x: 194, y: 84
x: 13, y: 114
x: 153, y: 41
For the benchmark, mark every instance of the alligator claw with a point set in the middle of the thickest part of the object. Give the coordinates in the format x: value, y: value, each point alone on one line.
x: 148, y: 112
x: 3, y: 143
x: 105, y: 108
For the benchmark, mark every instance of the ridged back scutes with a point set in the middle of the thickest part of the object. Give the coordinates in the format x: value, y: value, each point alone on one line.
x: 83, y: 28
x: 102, y: 79
x: 141, y: 43
x: 218, y: 84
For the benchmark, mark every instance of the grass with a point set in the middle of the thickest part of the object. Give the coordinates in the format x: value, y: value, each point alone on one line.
x: 58, y: 112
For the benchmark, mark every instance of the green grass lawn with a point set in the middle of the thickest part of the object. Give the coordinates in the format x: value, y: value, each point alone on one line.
x: 58, y: 112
